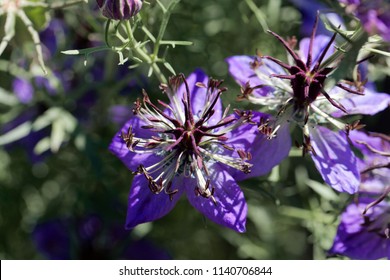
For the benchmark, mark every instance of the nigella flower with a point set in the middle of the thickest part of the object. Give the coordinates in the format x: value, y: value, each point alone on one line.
x: 363, y: 236
x: 374, y: 165
x: 364, y: 230
x: 192, y: 147
x: 299, y: 95
x: 374, y: 14
x: 306, y: 8
x: 119, y: 9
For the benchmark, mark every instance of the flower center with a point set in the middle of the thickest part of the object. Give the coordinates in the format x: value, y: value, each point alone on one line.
x: 187, y: 143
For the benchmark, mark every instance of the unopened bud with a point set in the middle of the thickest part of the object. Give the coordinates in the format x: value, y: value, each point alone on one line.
x: 119, y: 9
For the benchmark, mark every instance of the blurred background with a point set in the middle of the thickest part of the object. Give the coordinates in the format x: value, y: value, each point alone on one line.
x: 64, y: 195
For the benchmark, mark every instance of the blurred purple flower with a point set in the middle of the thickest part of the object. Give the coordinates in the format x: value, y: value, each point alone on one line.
x: 192, y: 147
x: 53, y: 240
x: 23, y: 90
x: 374, y: 14
x: 119, y: 9
x: 309, y: 10
x: 297, y: 92
x: 119, y: 114
x: 91, y: 238
x: 363, y: 236
x: 375, y: 162
x: 53, y: 34
x: 29, y: 141
x: 364, y: 230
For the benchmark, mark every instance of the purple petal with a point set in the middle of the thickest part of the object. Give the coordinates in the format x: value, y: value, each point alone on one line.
x: 377, y: 22
x: 308, y: 10
x: 319, y: 44
x: 266, y: 154
x: 334, y: 160
x: 51, y: 36
x: 145, y: 206
x: 368, y: 104
x: 23, y: 90
x: 376, y: 180
x: 52, y: 239
x: 199, y: 95
x: 375, y: 141
x: 231, y: 208
x: 241, y: 70
x: 119, y: 114
x: 359, y: 240
x: 130, y: 159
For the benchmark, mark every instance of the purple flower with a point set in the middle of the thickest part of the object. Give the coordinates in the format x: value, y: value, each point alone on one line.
x: 374, y: 14
x: 192, y: 147
x: 307, y: 9
x: 23, y: 90
x: 119, y: 9
x: 91, y: 238
x: 52, y: 36
x: 52, y: 239
x: 375, y: 161
x: 299, y: 95
x: 364, y: 230
x: 363, y: 236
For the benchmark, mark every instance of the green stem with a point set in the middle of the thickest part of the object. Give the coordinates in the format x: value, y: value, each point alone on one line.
x: 163, y: 26
x: 65, y: 4
x: 143, y: 53
x: 260, y: 16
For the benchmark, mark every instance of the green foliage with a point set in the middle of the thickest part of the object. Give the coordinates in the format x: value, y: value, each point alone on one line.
x: 292, y: 213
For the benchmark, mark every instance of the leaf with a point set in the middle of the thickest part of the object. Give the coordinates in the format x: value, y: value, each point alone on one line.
x: 170, y: 68
x: 57, y: 135
x: 38, y: 16
x: 349, y: 52
x: 323, y: 190
x: 86, y: 51
x: 7, y: 98
x: 46, y: 119
x: 174, y: 43
x: 377, y: 51
x: 42, y: 146
x: 15, y: 134
x: 69, y: 121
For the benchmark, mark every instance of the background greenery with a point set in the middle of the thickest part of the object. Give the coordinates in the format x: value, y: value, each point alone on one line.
x: 292, y: 214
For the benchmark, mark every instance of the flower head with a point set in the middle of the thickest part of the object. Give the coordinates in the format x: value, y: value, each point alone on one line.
x: 119, y: 9
x: 374, y: 14
x: 374, y: 164
x: 299, y: 95
x: 364, y: 230
x: 192, y: 147
x: 363, y: 236
x: 306, y: 9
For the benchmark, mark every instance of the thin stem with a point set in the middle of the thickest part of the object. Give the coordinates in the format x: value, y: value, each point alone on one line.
x: 143, y: 53
x: 163, y: 26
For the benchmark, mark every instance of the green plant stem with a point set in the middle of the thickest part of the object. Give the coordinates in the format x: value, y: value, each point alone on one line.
x: 163, y: 26
x: 143, y: 54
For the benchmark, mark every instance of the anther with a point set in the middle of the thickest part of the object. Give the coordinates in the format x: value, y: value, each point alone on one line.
x: 128, y: 138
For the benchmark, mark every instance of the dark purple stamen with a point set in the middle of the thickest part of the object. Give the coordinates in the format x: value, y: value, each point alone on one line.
x: 377, y: 201
x: 307, y: 82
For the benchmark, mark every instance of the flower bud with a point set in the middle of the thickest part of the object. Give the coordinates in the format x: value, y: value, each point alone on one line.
x: 119, y: 9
